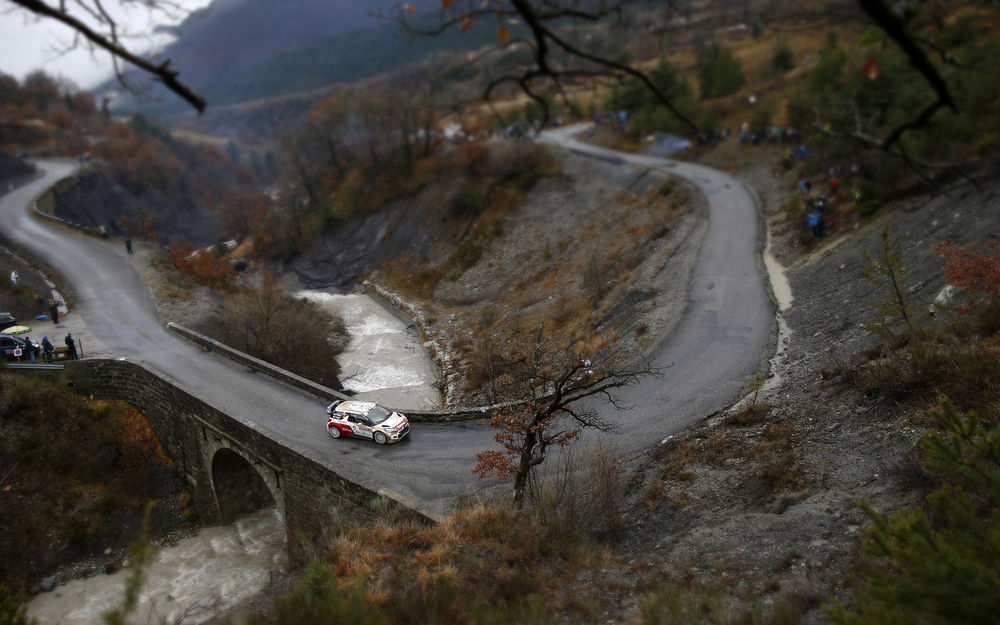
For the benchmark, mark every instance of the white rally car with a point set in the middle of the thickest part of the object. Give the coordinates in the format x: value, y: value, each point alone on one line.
x: 367, y: 420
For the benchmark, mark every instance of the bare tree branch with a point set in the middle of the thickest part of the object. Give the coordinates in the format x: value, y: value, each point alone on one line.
x: 111, y: 43
x: 897, y: 31
x: 537, y: 17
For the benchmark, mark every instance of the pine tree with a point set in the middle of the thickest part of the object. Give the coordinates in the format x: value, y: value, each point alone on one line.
x: 942, y: 565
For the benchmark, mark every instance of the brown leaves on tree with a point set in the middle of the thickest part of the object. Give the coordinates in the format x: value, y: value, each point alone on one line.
x: 513, y: 424
x: 871, y: 68
x: 973, y: 271
x: 202, y: 265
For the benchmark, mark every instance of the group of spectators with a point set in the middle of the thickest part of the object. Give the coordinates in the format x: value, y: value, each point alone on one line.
x: 817, y: 206
x: 47, y: 350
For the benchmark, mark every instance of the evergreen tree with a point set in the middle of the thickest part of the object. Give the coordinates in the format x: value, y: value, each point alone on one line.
x: 942, y: 565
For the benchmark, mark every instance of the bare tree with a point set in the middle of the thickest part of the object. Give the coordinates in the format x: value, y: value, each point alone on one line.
x: 544, y: 385
x: 287, y: 332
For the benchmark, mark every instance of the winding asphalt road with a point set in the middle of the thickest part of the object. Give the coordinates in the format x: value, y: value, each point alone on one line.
x: 718, y: 345
x: 728, y: 326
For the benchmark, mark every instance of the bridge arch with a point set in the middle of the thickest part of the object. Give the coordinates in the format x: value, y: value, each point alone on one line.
x: 241, y: 483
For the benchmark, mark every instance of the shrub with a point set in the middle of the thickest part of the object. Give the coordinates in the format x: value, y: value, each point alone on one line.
x: 959, y: 32
x: 606, y: 473
x: 751, y: 415
x: 471, y: 157
x: 202, y: 265
x: 719, y: 72
x: 285, y: 331
x: 760, y: 121
x: 80, y: 472
x: 486, y: 563
x: 795, y: 209
x: 13, y: 610
x: 595, y: 280
x: 469, y: 201
x: 467, y: 253
x: 970, y: 270
x: 783, y: 58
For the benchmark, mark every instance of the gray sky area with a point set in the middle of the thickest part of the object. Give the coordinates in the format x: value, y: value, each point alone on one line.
x: 28, y: 43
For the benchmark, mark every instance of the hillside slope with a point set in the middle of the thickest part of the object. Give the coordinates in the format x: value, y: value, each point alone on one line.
x: 230, y: 36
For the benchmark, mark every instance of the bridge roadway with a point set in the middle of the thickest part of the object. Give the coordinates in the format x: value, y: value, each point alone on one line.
x: 718, y: 345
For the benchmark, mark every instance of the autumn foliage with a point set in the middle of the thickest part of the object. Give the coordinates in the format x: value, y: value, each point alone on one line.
x: 973, y: 271
x: 513, y: 425
x: 202, y: 265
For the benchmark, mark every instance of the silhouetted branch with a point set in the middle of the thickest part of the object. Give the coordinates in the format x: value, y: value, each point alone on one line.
x: 111, y: 43
x: 896, y: 29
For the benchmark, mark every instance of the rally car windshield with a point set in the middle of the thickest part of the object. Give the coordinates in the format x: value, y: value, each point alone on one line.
x: 378, y: 414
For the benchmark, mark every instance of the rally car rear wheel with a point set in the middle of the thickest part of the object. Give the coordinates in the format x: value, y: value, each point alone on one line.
x: 334, y: 431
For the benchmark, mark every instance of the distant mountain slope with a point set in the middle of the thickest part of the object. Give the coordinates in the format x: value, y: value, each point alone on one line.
x: 232, y: 35
x: 344, y: 57
x: 229, y: 36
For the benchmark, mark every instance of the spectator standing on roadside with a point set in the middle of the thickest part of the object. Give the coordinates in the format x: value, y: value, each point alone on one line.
x: 15, y: 278
x: 816, y: 223
x: 128, y: 245
x: 71, y: 346
x: 54, y: 310
x: 47, y: 349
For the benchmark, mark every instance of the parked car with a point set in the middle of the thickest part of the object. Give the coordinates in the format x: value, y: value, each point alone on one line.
x: 7, y: 320
x: 367, y: 420
x: 9, y: 343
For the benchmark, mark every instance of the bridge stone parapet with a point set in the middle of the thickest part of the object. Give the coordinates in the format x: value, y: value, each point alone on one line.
x: 309, y: 496
x: 443, y: 415
x: 256, y: 364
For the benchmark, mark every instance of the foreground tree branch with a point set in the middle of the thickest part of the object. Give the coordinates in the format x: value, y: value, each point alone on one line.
x: 111, y: 43
x: 551, y: 53
x: 897, y: 31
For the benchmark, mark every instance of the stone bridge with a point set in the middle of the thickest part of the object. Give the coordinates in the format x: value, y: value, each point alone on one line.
x: 230, y: 466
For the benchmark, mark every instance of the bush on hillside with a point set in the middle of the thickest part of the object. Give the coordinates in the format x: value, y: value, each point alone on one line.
x: 783, y: 58
x: 291, y: 333
x: 720, y: 73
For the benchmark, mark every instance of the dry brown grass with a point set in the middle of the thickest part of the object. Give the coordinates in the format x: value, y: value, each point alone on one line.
x: 486, y: 550
x: 751, y: 415
x: 411, y: 276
